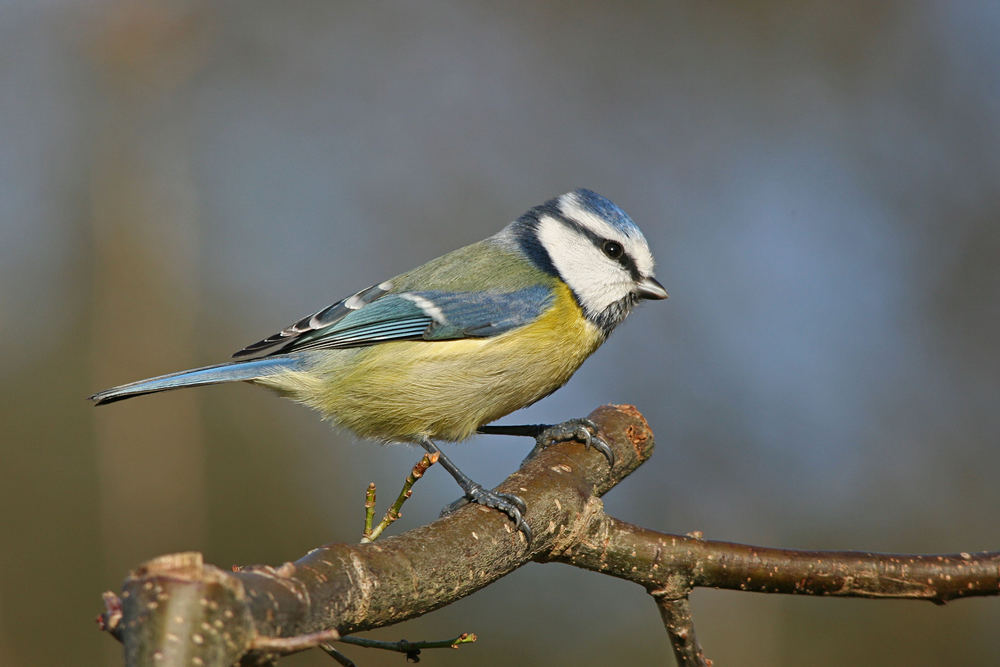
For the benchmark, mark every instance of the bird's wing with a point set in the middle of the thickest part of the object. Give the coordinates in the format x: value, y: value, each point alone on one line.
x: 307, y: 326
x: 374, y: 315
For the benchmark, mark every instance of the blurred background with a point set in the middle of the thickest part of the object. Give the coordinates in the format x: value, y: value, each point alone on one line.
x: 819, y: 182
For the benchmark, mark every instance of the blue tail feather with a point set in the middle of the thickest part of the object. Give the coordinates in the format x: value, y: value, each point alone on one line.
x: 196, y: 377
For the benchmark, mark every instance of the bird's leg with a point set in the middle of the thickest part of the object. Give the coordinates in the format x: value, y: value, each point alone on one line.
x: 507, y: 503
x: 582, y: 430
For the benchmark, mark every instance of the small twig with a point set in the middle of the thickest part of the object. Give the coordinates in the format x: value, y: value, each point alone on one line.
x: 110, y: 620
x: 371, y: 534
x: 404, y: 646
x: 411, y: 649
x: 337, y: 655
x: 286, y: 645
x: 677, y: 619
x: 366, y: 536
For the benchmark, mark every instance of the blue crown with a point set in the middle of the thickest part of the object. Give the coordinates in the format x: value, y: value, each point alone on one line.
x: 607, y: 209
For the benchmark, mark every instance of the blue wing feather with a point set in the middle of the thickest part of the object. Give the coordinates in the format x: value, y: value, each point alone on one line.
x: 485, y: 314
x: 428, y: 315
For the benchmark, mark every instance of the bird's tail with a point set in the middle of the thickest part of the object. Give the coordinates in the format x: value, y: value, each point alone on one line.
x: 196, y: 377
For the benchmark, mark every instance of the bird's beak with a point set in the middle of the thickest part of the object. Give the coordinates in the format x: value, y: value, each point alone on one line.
x: 650, y: 288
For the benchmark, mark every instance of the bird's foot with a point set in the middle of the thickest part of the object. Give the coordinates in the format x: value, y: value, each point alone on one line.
x: 582, y: 430
x: 507, y: 503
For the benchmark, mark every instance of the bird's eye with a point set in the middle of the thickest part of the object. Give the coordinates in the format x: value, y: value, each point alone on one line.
x: 613, y: 249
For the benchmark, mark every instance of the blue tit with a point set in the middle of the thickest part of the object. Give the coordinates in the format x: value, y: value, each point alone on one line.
x: 440, y: 351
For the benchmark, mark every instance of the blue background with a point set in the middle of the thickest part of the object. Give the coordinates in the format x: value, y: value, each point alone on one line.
x: 819, y: 184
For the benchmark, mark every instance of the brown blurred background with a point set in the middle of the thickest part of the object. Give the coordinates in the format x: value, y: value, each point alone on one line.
x: 819, y: 182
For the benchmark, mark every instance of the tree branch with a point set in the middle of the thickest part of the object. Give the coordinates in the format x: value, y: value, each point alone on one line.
x: 672, y: 565
x: 178, y: 610
x: 679, y: 624
x: 352, y: 587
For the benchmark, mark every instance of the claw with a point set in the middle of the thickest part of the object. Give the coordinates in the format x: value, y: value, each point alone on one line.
x: 583, y: 430
x: 507, y: 503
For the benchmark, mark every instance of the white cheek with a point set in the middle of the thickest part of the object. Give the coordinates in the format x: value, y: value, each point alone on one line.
x: 596, y: 280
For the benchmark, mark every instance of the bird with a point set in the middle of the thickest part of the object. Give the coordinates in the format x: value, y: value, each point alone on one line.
x: 441, y: 351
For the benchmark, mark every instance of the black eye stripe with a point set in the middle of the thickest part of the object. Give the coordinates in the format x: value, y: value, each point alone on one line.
x: 625, y: 259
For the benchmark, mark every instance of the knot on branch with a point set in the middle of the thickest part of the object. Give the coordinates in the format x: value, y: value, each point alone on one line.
x: 579, y: 527
x: 176, y: 607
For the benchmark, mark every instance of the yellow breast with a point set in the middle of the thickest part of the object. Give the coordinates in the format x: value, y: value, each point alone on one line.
x: 445, y: 389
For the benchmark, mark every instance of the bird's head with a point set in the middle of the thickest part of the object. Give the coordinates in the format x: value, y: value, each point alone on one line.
x: 594, y: 247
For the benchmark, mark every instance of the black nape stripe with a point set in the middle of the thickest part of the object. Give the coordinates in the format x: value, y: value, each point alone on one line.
x: 527, y: 237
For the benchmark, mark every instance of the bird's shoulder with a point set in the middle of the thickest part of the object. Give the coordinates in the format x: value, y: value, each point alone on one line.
x: 488, y: 264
